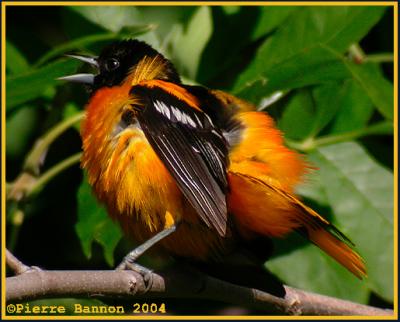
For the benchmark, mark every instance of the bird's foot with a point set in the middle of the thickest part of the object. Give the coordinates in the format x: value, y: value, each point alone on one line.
x: 147, y: 274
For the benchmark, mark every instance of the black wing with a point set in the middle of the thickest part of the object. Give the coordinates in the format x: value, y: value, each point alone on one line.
x: 193, y: 150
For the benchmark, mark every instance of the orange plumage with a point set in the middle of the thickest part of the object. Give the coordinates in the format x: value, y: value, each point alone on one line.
x: 139, y: 190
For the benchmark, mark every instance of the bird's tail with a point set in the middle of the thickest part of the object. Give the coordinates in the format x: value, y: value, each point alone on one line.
x: 262, y: 208
x: 339, y: 249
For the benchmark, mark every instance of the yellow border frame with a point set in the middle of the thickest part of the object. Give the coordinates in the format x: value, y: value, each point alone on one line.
x: 393, y: 4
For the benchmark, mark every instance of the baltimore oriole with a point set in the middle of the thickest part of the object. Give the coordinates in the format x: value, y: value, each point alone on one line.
x: 197, y: 171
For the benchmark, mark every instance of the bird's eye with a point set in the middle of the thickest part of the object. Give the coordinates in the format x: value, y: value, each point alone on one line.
x: 111, y: 64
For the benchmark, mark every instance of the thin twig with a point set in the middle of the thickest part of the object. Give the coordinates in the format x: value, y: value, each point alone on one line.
x: 309, y: 144
x: 52, y: 172
x: 379, y: 58
x: 36, y: 155
x: 15, y: 264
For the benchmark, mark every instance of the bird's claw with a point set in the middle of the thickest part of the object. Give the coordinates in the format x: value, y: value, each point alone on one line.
x: 146, y: 273
x: 148, y: 281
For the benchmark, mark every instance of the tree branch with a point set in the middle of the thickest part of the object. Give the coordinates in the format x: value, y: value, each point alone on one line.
x: 173, y: 283
x: 15, y: 264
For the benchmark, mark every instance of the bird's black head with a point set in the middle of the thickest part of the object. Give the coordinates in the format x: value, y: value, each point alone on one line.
x: 119, y: 59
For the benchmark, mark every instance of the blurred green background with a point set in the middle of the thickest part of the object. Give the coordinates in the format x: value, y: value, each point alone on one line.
x: 324, y: 73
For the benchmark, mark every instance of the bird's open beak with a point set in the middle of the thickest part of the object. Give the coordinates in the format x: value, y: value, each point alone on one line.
x: 82, y: 78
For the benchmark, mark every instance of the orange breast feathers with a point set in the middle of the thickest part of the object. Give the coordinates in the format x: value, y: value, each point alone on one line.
x: 123, y: 169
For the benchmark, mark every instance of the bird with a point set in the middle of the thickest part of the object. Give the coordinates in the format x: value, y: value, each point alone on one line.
x: 193, y: 172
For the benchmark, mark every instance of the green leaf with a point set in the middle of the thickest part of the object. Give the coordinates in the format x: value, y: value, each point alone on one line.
x: 112, y: 18
x: 355, y: 108
x: 355, y: 23
x: 16, y: 63
x: 377, y: 87
x: 75, y: 25
x: 371, y: 80
x: 22, y: 122
x: 314, y: 28
x: 226, y: 49
x: 26, y: 87
x: 311, y: 187
x: 309, y: 268
x: 380, y: 128
x: 165, y: 17
x: 188, y: 43
x: 230, y: 10
x: 82, y: 42
x: 300, y: 107
x: 270, y: 18
x: 326, y: 101
x: 310, y: 111
x: 319, y: 66
x: 313, y: 66
x: 95, y: 225
x: 360, y: 192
